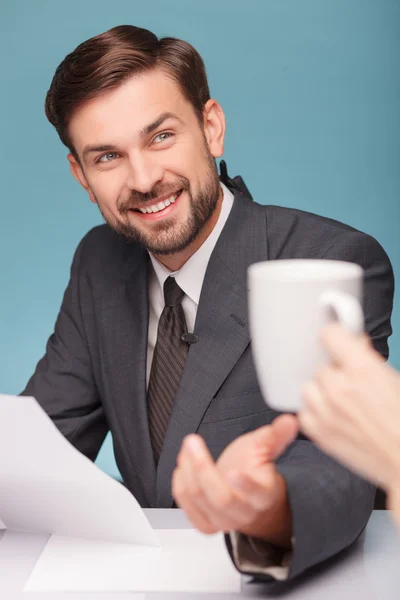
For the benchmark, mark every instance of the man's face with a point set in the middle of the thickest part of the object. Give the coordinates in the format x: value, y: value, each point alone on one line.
x: 147, y: 162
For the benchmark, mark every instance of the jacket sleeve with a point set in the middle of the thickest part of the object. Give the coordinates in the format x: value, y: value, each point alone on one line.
x: 330, y: 505
x: 378, y: 283
x: 63, y: 382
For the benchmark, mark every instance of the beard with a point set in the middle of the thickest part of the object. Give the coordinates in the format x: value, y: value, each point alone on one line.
x: 168, y: 236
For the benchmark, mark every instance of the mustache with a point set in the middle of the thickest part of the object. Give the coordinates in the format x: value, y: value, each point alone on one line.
x: 139, y: 199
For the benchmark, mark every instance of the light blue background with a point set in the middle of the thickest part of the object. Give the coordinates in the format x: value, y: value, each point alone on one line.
x: 311, y: 91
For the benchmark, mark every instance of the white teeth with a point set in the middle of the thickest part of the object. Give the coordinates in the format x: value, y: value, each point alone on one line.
x: 160, y: 206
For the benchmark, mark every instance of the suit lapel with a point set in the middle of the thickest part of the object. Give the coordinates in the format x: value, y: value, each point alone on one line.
x: 222, y: 328
x: 124, y: 317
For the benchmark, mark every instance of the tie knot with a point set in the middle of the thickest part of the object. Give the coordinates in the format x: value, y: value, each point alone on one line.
x: 172, y: 292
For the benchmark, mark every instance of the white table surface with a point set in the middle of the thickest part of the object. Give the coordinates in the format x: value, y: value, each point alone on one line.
x: 370, y: 570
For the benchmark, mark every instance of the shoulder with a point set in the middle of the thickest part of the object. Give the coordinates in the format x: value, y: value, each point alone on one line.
x: 282, y: 218
x: 294, y: 233
x: 103, y: 251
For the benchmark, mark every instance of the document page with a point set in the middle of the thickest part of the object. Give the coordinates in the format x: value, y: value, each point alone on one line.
x: 187, y: 561
x: 47, y: 486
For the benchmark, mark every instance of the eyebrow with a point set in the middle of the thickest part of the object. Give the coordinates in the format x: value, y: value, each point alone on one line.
x: 143, y: 133
x: 105, y: 148
x: 159, y: 121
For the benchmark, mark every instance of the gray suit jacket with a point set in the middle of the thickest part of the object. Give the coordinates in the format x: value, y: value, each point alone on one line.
x: 92, y: 378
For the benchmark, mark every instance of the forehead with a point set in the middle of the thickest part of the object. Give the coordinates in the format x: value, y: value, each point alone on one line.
x: 126, y: 110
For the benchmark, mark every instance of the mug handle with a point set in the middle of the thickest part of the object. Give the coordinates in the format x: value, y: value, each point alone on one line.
x: 345, y: 308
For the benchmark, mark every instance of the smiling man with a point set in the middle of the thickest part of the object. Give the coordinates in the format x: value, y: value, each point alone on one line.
x: 152, y: 342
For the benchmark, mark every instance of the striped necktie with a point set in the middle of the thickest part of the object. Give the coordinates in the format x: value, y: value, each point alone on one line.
x: 169, y: 357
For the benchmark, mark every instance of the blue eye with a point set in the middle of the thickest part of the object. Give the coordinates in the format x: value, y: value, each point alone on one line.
x: 162, y: 136
x: 107, y: 157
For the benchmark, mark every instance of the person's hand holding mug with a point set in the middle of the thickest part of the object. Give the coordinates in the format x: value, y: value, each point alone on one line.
x: 352, y: 410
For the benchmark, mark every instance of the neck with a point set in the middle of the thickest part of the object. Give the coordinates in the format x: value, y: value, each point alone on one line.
x: 174, y: 262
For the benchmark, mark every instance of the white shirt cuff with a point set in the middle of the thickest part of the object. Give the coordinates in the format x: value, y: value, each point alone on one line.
x: 254, y: 556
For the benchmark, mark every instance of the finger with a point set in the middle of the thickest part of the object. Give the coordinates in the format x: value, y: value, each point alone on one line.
x: 313, y: 397
x: 271, y: 440
x: 184, y: 501
x: 195, y: 491
x: 259, y: 491
x: 345, y: 395
x: 285, y: 428
x: 346, y: 349
x: 321, y: 421
x: 335, y: 389
x: 329, y: 395
x: 310, y: 421
x: 317, y: 410
x: 308, y: 424
x: 191, y: 489
x: 190, y: 485
x: 223, y: 506
x: 319, y: 430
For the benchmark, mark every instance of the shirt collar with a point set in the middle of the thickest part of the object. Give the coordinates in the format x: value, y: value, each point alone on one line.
x: 191, y: 276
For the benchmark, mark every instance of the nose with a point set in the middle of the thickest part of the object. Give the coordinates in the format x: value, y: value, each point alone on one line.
x: 144, y: 172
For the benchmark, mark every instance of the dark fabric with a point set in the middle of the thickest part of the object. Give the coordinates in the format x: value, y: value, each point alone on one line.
x: 92, y: 378
x: 380, y: 500
x: 169, y: 358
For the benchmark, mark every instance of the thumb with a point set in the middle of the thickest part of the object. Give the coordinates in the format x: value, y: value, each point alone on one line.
x: 285, y: 429
x: 275, y: 438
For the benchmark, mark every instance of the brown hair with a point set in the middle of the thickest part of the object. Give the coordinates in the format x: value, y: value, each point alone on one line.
x: 105, y: 61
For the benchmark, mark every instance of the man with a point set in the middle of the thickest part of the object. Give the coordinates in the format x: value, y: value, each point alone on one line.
x: 152, y: 338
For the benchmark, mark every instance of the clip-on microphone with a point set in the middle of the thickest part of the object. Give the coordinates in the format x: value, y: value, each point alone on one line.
x: 189, y: 338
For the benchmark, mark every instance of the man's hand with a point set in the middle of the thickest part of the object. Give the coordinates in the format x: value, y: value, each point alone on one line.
x: 242, y: 491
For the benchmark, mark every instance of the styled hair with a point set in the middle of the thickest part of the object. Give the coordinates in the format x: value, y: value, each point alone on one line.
x: 105, y: 61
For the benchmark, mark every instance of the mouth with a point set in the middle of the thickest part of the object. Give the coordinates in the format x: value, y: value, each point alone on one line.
x: 159, y: 208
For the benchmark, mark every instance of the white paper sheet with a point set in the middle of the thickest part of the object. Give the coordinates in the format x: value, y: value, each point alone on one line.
x: 47, y: 486
x: 187, y: 561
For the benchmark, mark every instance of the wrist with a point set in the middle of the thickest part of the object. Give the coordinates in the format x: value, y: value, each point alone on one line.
x: 394, y: 502
x: 274, y: 524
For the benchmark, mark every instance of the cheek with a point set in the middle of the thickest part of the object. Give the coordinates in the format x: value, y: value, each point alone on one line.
x: 188, y: 158
x: 108, y: 187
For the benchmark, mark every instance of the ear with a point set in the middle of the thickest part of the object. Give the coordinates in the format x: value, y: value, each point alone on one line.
x: 79, y: 175
x: 214, y: 127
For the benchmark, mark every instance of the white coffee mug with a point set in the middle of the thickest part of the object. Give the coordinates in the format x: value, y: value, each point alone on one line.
x: 289, y: 303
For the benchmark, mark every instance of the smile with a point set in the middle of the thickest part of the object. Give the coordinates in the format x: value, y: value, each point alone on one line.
x: 159, y: 204
x: 159, y: 208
